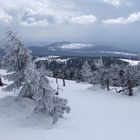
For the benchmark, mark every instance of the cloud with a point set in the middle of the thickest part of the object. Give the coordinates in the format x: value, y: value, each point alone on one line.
x: 84, y: 19
x: 31, y: 17
x: 113, y: 2
x: 5, y: 17
x: 58, y: 20
x: 61, y: 20
x: 43, y: 13
x: 134, y: 17
x: 117, y: 3
x: 43, y: 18
x: 33, y: 22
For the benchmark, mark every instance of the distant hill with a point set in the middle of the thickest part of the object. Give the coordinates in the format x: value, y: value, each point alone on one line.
x: 79, y: 49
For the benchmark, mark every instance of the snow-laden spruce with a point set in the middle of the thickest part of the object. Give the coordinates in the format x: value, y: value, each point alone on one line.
x: 86, y: 72
x: 15, y: 61
x: 33, y: 83
x: 37, y: 87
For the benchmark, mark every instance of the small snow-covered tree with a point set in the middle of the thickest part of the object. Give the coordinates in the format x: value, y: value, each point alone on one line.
x: 114, y: 70
x: 15, y: 61
x: 102, y: 74
x: 77, y: 75
x: 95, y: 77
x: 104, y: 77
x: 123, y: 76
x: 37, y: 87
x: 44, y: 70
x: 132, y: 76
x: 86, y: 72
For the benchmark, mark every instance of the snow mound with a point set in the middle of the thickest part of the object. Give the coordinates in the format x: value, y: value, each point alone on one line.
x: 21, y: 113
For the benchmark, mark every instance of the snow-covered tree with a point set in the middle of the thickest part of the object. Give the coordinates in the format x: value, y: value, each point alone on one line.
x: 104, y: 77
x: 15, y: 61
x: 114, y: 78
x: 34, y: 84
x: 77, y: 75
x: 125, y: 76
x: 86, y: 72
x: 132, y: 76
x: 42, y: 69
x: 95, y: 77
x: 37, y: 87
x: 101, y: 74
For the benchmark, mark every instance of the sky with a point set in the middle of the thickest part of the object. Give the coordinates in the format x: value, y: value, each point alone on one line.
x: 109, y: 22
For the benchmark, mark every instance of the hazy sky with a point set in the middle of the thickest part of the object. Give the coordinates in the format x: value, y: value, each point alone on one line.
x: 102, y: 21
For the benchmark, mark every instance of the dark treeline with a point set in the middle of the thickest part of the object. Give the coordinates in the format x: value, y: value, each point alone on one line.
x: 109, y: 72
x: 71, y: 67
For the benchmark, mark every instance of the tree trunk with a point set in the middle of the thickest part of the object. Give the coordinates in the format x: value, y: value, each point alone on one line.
x: 56, y: 80
x: 64, y: 84
x: 130, y: 88
x: 107, y: 84
x: 1, y: 84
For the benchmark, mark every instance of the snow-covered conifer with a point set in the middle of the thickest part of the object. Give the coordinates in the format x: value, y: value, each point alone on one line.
x: 86, y: 72
x: 37, y: 87
x: 15, y: 61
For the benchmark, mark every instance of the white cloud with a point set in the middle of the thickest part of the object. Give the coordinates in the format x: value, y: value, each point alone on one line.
x: 5, y: 17
x: 84, y: 19
x: 42, y: 11
x: 45, y: 12
x: 33, y: 22
x: 134, y: 17
x: 62, y: 19
x: 59, y: 20
x: 117, y: 3
x: 46, y: 17
x: 113, y: 2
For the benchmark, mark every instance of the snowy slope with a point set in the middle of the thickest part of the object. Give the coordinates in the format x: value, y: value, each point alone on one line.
x: 96, y: 115
x: 131, y: 62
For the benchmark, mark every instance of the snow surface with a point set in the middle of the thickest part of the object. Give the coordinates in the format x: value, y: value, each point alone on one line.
x: 96, y: 115
x: 75, y: 46
x: 52, y: 58
x: 131, y: 62
x: 109, y: 52
x: 119, y: 53
x: 46, y: 58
